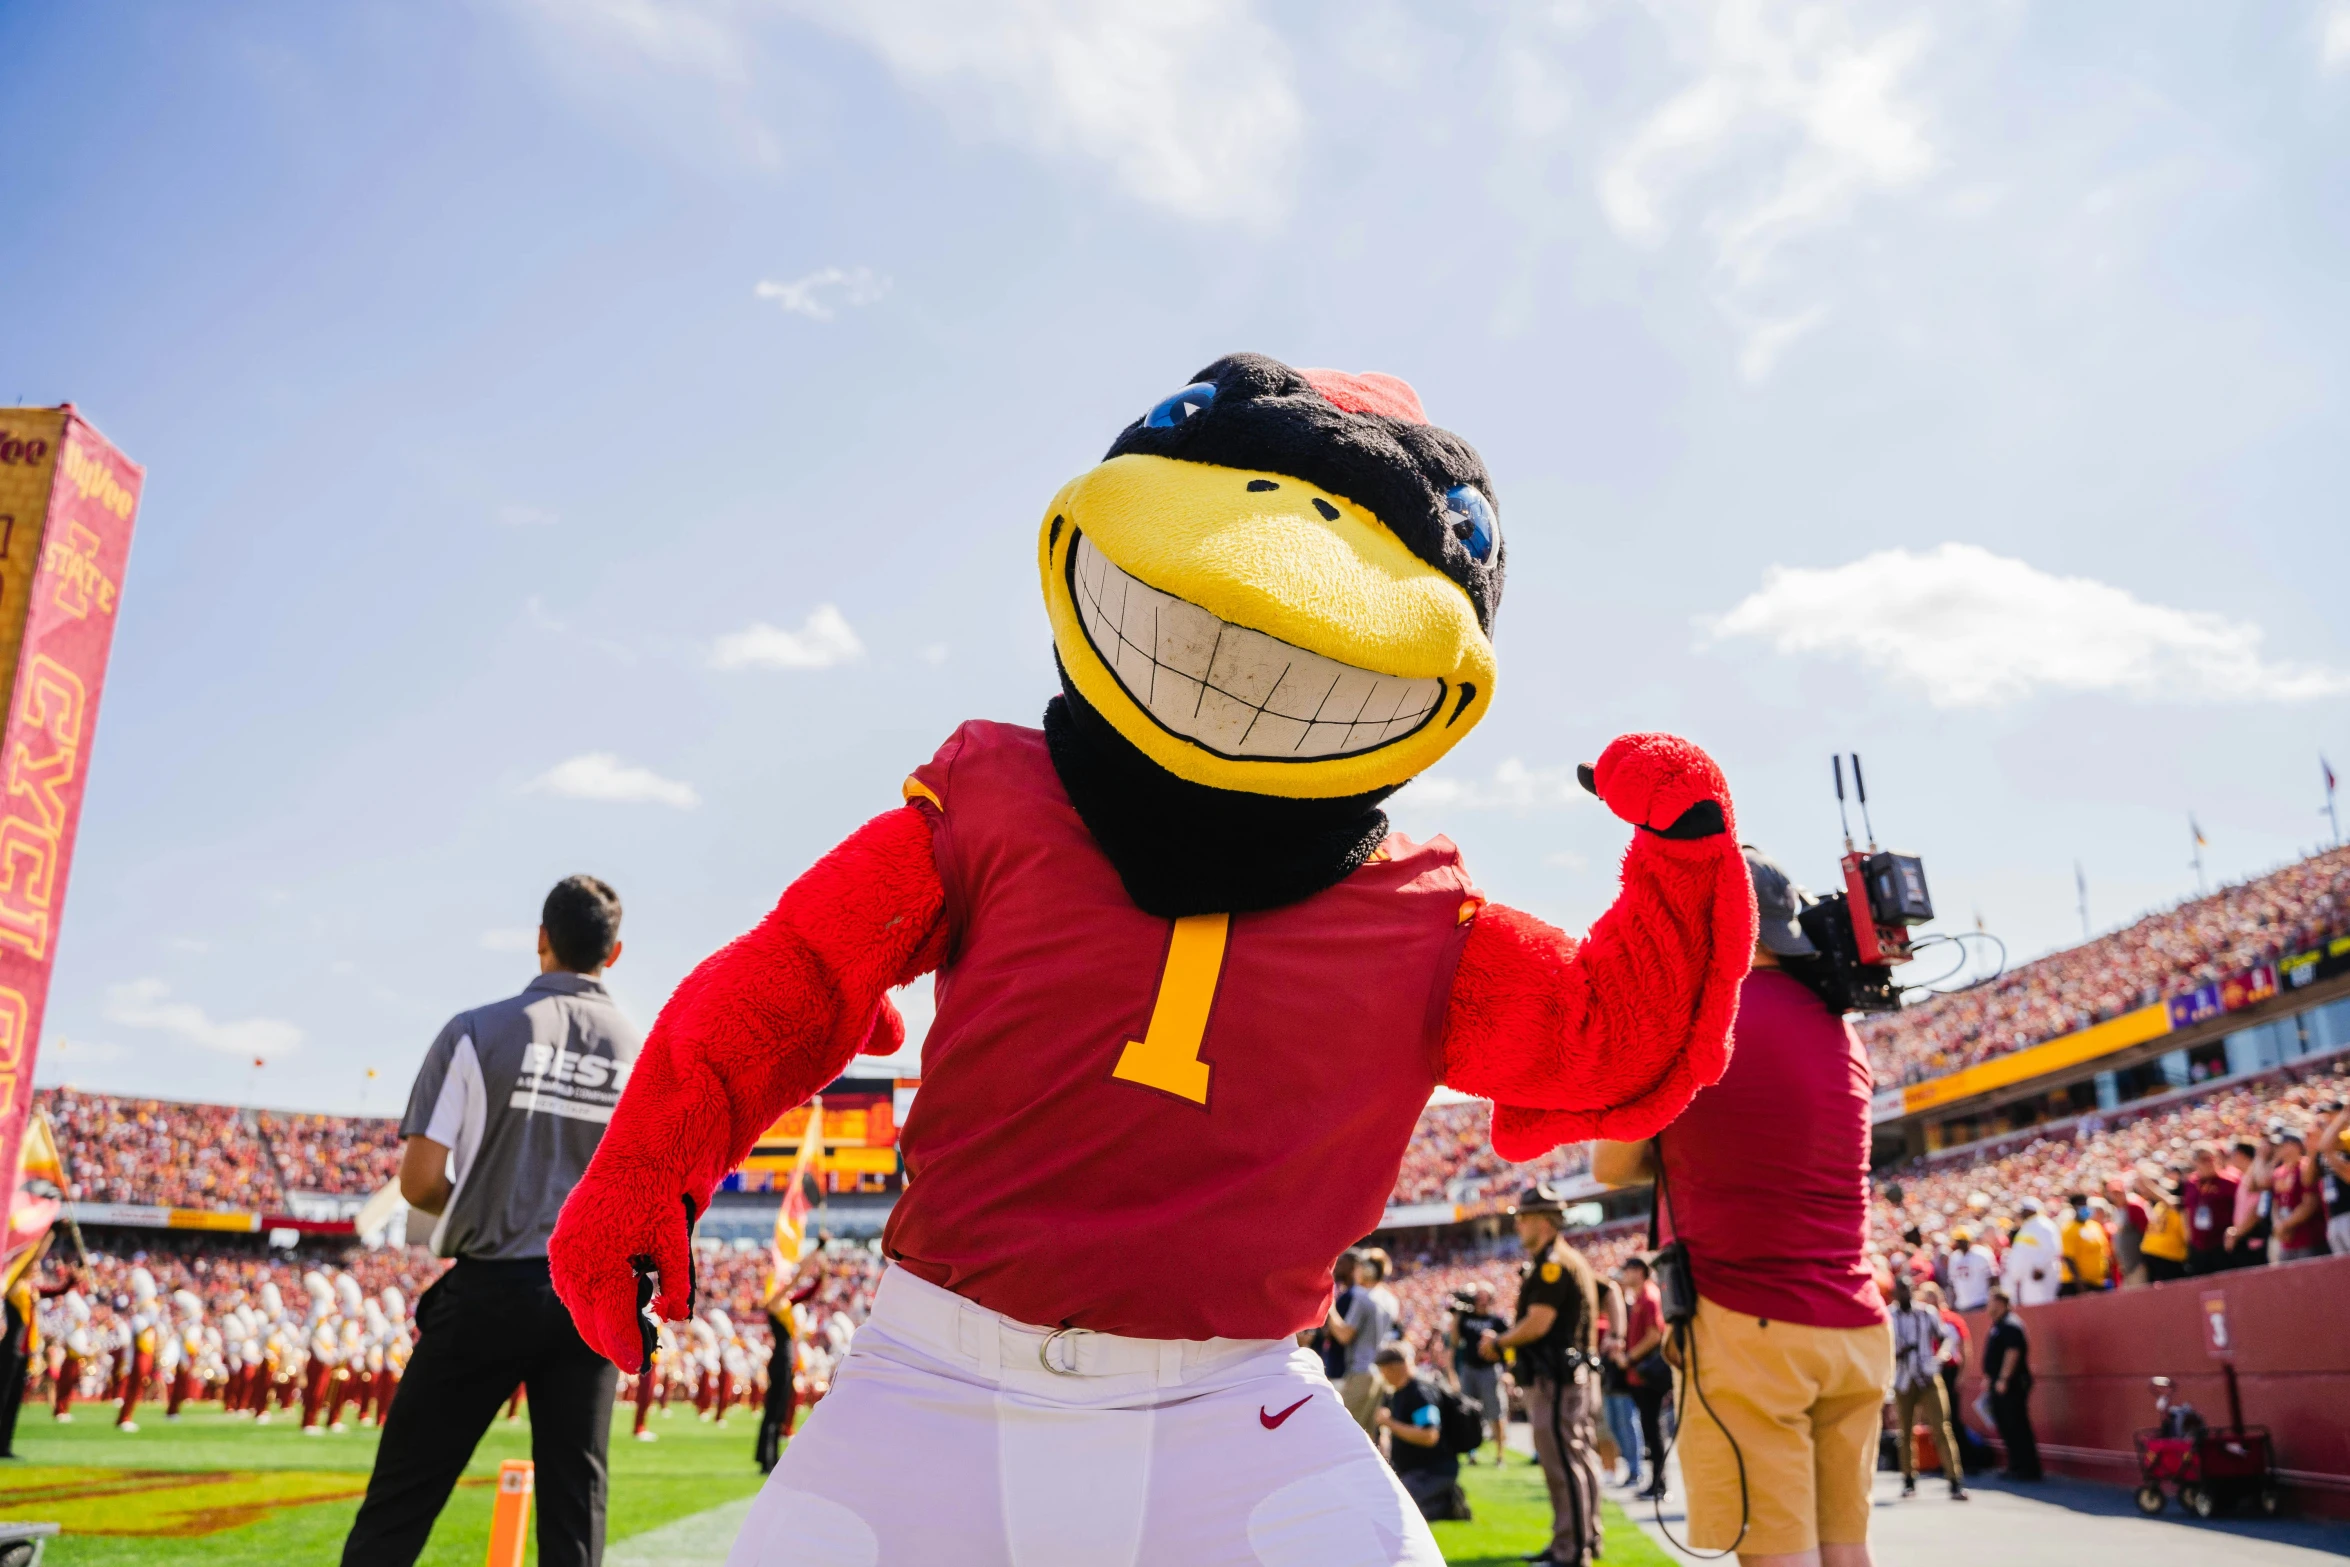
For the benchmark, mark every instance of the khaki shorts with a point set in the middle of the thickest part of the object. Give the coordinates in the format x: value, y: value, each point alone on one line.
x: 1805, y: 1405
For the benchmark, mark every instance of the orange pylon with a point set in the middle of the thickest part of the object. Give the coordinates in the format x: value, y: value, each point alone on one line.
x: 510, y: 1517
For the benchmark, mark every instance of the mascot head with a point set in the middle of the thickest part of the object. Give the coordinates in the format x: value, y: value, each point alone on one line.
x: 1272, y: 605
x: 1280, y: 582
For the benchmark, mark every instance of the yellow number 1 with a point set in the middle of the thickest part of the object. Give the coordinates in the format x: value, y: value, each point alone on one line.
x: 1167, y: 1056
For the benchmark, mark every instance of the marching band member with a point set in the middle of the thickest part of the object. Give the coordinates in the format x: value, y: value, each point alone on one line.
x: 136, y: 1343
x: 319, y: 1341
x: 181, y: 1351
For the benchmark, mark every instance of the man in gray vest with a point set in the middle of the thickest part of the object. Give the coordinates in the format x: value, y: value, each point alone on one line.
x: 508, y: 1108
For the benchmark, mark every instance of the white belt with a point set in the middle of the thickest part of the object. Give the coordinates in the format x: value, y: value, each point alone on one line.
x: 945, y: 1323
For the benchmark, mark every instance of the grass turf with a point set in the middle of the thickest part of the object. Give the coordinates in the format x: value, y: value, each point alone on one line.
x: 212, y: 1491
x: 215, y: 1492
x: 1512, y: 1510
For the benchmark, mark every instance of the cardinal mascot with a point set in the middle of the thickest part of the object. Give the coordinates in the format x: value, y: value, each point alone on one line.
x: 1192, y: 996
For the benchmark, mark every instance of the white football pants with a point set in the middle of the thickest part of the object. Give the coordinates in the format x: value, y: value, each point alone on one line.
x: 954, y: 1436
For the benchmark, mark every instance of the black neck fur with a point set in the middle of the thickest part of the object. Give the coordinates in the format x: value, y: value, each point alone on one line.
x: 1184, y: 848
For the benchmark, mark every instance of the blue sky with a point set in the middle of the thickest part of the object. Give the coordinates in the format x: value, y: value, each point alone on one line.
x: 610, y: 435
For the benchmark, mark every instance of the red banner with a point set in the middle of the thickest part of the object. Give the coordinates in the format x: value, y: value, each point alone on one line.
x: 67, y: 500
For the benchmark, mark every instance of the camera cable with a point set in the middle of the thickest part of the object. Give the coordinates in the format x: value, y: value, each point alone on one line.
x: 1682, y: 1334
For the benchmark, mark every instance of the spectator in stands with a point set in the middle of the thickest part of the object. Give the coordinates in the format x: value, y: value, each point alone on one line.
x: 2163, y: 1250
x: 1369, y: 1322
x: 2034, y: 1270
x: 2127, y: 1224
x: 2333, y: 1150
x: 506, y: 1112
x: 2211, y: 1211
x: 2007, y: 1370
x: 1413, y: 1420
x: 1478, y: 1377
x: 2086, y: 1247
x: 2246, y: 1240
x: 2296, y: 1210
x: 1970, y: 1271
x: 1922, y: 1342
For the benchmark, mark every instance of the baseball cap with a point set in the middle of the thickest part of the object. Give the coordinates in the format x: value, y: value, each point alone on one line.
x: 1778, y: 900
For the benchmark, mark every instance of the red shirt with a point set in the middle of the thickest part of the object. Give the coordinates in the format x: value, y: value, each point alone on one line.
x: 2286, y: 1192
x: 1049, y: 1179
x: 1767, y: 1171
x: 2211, y: 1208
x: 1646, y: 1316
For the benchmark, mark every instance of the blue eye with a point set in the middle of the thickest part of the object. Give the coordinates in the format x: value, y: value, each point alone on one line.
x: 1189, y: 403
x: 1470, y: 516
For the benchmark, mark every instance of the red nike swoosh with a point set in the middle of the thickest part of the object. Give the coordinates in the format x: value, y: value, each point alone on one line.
x: 1273, y: 1422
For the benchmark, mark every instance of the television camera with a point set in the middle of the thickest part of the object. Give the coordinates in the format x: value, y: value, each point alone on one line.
x: 1863, y: 932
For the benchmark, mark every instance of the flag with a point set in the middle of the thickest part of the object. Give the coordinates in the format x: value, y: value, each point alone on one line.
x: 791, y: 1218
x: 2329, y: 772
x: 2201, y: 842
x: 29, y: 1214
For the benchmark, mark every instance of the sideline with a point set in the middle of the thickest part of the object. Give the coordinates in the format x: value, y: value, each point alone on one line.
x: 2057, y: 1523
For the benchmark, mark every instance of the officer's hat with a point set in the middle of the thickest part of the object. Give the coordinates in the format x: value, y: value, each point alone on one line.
x: 1541, y: 1197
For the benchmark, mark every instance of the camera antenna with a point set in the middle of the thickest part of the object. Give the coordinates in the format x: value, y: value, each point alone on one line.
x: 1862, y: 789
x: 1842, y: 820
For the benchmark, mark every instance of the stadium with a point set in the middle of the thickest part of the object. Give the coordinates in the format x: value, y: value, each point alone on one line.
x: 1055, y: 783
x: 2235, y: 1011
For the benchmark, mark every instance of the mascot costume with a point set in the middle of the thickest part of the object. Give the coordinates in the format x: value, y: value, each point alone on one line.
x: 1192, y: 996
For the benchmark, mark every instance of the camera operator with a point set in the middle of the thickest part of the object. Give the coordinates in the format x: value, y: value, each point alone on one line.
x: 1551, y: 1348
x: 1765, y: 1181
x: 1472, y: 1319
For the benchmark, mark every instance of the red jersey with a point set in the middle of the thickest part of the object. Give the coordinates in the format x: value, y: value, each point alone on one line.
x: 1767, y: 1171
x: 1162, y: 1128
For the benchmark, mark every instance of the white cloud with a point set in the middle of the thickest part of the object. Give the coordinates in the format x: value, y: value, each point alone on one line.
x: 1791, y: 119
x: 1968, y: 628
x: 514, y: 938
x: 146, y: 1003
x: 1190, y: 106
x: 2333, y: 45
x: 823, y: 640
x: 187, y: 944
x: 599, y: 775
x: 819, y: 295
x: 1513, y: 787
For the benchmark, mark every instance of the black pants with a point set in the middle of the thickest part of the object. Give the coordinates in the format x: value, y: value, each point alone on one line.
x: 1650, y: 1401
x: 2012, y: 1410
x: 2161, y: 1270
x: 778, y: 1410
x: 14, y: 1367
x: 484, y: 1328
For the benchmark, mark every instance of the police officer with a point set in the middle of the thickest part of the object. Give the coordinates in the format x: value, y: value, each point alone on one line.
x: 1551, y: 1348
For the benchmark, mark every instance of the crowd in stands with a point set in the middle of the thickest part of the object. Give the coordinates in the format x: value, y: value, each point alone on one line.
x: 2201, y: 942
x: 2118, y: 1169
x: 158, y: 1153
x: 339, y: 1155
x: 168, y: 1154
x: 1451, y: 1159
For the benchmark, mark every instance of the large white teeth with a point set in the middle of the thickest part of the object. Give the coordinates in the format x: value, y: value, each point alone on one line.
x: 1235, y: 691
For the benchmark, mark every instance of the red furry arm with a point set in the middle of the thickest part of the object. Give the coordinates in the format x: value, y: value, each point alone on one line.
x: 1612, y: 1037
x: 763, y: 1023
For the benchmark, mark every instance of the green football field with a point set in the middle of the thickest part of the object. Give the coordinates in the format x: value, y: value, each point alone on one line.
x: 215, y: 1492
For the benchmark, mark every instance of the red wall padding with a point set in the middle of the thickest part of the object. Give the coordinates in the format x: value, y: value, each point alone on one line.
x: 2092, y: 1356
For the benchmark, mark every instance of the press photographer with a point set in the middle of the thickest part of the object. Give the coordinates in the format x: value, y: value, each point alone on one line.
x: 1473, y: 1318
x: 1764, y: 1180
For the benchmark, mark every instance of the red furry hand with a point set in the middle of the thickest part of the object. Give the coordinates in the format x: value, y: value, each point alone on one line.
x: 1662, y: 783
x: 609, y: 1222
